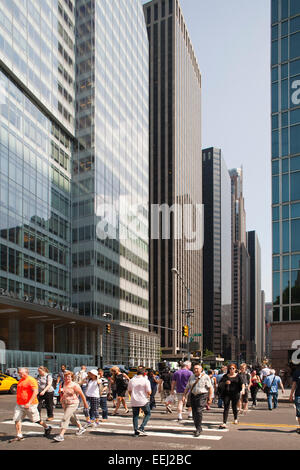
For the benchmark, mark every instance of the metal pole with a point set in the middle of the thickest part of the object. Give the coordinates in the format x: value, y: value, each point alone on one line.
x: 188, y: 320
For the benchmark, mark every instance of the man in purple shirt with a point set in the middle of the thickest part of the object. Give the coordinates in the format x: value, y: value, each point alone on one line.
x: 179, y: 383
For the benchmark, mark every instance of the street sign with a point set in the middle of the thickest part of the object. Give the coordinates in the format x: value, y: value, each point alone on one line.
x: 190, y: 311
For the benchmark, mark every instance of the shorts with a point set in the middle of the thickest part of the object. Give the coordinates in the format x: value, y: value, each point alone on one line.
x: 32, y: 413
x: 244, y: 398
x: 121, y: 393
x: 297, y: 404
x: 179, y: 396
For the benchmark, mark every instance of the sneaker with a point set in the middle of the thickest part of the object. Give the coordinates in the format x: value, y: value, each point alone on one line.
x: 81, y: 431
x: 236, y: 421
x: 136, y: 433
x: 197, y: 433
x: 169, y: 409
x: 47, y: 431
x: 127, y: 411
x: 223, y: 426
x: 59, y: 438
x: 142, y: 433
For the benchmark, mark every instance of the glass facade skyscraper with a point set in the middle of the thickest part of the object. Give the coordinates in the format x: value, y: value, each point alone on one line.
x: 74, y: 141
x: 285, y: 72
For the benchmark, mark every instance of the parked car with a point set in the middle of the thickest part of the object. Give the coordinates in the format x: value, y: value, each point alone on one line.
x: 8, y: 384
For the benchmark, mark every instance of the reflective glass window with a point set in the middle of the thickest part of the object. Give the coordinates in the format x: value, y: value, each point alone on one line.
x: 295, y: 211
x: 285, y: 188
x: 275, y: 98
x: 275, y: 74
x: 295, y: 186
x: 294, y: 24
x: 285, y: 237
x: 295, y: 287
x: 275, y: 32
x: 284, y: 95
x: 275, y: 213
x: 275, y: 144
x: 286, y: 287
x: 295, y: 163
x: 285, y: 165
x: 285, y: 142
x: 294, y: 67
x: 285, y: 119
x: 276, y: 315
x: 296, y: 262
x: 285, y: 28
x: 276, y: 240
x: 286, y: 314
x: 295, y: 7
x: 285, y: 263
x: 275, y: 167
x: 294, y: 44
x: 276, y: 263
x: 274, y: 56
x: 284, y: 50
x: 295, y: 316
x: 284, y: 9
x: 284, y: 70
x: 295, y: 116
x: 295, y: 139
x: 295, y: 235
x: 295, y: 91
x: 286, y: 212
x: 276, y: 288
x: 275, y: 11
x: 275, y: 189
x: 275, y: 121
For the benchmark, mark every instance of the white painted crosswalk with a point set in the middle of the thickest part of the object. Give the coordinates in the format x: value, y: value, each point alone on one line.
x: 121, y: 425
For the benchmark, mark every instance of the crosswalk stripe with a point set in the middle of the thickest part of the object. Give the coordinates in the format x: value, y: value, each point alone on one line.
x: 124, y: 431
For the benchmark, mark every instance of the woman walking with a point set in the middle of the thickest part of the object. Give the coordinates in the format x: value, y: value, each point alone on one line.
x: 46, y: 391
x: 154, y: 381
x: 230, y: 387
x: 70, y: 401
x: 92, y: 394
x: 255, y: 384
x: 121, y: 381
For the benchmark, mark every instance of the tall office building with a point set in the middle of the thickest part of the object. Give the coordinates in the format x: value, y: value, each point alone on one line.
x: 216, y: 252
x: 240, y: 346
x: 285, y: 73
x: 257, y: 326
x: 175, y: 172
x: 74, y: 137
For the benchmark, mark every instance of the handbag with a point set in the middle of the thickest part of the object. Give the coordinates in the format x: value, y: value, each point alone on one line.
x: 109, y: 397
x: 267, y: 390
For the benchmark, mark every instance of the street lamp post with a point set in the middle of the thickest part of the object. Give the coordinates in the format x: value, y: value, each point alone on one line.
x: 188, y: 311
x: 54, y: 327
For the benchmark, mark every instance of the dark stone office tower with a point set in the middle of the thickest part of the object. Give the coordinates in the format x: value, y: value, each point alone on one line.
x: 216, y: 252
x: 255, y: 320
x: 175, y: 171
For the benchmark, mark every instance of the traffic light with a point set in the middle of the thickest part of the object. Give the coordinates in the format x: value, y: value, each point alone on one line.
x: 185, y: 330
x: 108, y: 329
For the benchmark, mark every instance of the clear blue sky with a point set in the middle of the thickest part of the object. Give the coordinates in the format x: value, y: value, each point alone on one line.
x: 231, y: 39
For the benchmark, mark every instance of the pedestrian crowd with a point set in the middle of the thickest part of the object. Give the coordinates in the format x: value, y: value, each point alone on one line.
x: 194, y: 390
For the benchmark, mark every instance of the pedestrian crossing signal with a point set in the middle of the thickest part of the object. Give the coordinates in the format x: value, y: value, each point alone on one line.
x: 185, y: 330
x: 108, y: 329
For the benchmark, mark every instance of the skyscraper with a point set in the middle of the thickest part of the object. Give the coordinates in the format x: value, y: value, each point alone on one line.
x: 285, y: 73
x: 175, y: 172
x: 74, y: 148
x: 216, y: 252
x: 256, y: 324
x: 240, y: 270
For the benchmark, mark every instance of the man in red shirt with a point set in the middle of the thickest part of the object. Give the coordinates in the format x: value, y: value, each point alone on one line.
x: 27, y: 403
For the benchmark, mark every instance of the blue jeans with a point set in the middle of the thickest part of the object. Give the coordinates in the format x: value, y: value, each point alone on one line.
x: 136, y: 411
x: 103, y: 406
x: 297, y: 403
x: 272, y: 396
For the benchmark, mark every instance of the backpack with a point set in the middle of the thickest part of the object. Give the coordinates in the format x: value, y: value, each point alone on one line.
x: 122, y: 382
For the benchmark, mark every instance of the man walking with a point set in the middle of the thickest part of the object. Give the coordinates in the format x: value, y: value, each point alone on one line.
x: 219, y: 378
x: 179, y: 382
x: 295, y: 395
x: 140, y: 389
x: 27, y: 404
x: 272, y: 383
x: 201, y: 393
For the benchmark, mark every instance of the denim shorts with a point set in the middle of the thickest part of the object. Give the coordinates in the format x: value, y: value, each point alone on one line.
x: 297, y: 403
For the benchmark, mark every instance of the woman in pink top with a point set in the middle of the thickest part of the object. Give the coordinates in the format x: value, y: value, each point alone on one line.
x: 70, y: 401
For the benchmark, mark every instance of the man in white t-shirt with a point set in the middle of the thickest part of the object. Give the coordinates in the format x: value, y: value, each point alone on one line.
x: 140, y: 389
x: 264, y: 373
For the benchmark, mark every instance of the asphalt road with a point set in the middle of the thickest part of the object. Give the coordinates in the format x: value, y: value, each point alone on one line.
x: 260, y: 429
